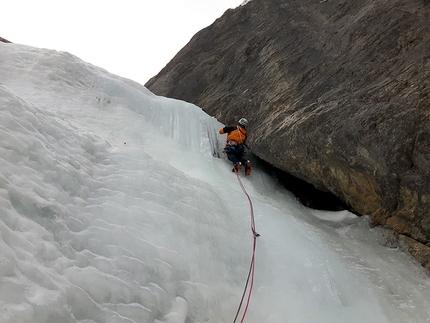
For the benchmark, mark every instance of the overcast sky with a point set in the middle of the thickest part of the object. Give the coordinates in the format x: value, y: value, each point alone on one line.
x: 130, y: 38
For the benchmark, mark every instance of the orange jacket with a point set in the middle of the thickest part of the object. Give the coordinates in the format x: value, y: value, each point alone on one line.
x: 236, y: 133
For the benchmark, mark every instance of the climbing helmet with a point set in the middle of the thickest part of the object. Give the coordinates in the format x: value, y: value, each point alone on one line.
x: 243, y: 122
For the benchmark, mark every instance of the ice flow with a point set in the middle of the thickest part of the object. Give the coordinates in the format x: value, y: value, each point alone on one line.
x: 117, y: 205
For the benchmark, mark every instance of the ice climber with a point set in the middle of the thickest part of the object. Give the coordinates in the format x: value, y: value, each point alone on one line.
x: 235, y: 145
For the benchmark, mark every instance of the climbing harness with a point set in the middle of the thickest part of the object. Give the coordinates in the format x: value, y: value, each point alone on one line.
x: 250, y: 280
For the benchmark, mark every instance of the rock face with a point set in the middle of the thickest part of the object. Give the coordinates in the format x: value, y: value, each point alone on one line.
x: 4, y: 40
x: 336, y: 93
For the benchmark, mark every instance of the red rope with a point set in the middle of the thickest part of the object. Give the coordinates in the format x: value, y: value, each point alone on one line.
x: 252, y: 266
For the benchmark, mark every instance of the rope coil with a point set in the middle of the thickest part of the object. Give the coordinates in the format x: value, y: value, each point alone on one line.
x: 250, y: 280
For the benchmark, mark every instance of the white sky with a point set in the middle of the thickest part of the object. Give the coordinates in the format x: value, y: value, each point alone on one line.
x: 130, y: 38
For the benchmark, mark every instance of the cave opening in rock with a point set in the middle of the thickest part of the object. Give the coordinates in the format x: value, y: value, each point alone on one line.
x: 307, y: 193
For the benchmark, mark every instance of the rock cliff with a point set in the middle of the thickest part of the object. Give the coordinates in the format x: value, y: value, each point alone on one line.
x: 336, y: 93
